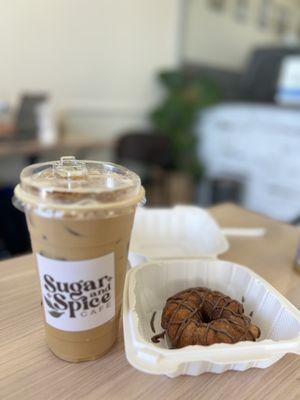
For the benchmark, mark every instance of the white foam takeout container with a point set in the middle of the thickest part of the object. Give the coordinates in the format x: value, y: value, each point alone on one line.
x: 179, y: 232
x: 148, y: 286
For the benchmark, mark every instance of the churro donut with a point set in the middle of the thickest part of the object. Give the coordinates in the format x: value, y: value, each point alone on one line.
x: 204, y: 317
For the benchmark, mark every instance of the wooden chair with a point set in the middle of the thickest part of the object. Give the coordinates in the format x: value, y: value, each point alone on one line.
x: 149, y: 155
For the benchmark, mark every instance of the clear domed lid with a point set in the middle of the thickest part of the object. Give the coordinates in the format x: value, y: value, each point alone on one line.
x: 76, y: 183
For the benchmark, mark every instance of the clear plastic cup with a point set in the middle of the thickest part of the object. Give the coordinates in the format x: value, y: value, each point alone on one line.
x: 80, y: 215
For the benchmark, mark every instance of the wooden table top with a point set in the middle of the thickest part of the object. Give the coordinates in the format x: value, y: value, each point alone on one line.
x: 28, y: 370
x: 33, y: 147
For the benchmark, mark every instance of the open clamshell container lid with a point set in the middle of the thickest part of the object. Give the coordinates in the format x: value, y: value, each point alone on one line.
x: 179, y: 232
x: 75, y: 187
x: 182, y: 245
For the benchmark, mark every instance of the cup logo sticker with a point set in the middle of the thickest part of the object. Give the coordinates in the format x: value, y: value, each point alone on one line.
x: 77, y: 299
x: 77, y: 295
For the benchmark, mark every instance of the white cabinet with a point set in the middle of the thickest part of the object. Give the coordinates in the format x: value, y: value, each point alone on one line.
x: 261, y: 144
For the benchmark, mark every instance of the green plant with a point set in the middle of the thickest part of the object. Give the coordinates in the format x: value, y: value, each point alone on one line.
x: 176, y: 116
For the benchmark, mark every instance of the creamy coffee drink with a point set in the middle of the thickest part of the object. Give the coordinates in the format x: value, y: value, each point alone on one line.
x: 80, y: 216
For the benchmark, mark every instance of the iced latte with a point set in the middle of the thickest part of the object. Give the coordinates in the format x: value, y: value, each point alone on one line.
x: 80, y: 216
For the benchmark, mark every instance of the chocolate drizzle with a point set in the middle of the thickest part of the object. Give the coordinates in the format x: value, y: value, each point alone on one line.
x: 152, y: 322
x: 156, y: 338
x: 202, y: 316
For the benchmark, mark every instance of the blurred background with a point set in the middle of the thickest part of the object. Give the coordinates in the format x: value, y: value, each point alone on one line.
x: 200, y: 97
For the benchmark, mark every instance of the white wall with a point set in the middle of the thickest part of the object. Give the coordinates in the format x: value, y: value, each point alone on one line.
x: 217, y: 38
x: 97, y: 58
